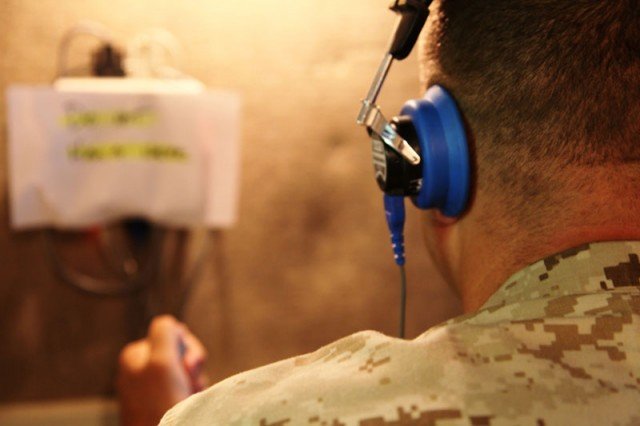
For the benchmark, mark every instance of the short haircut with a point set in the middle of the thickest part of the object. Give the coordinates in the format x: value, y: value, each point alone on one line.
x: 540, y: 83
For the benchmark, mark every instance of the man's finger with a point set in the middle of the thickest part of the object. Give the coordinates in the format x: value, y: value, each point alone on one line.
x: 134, y: 356
x: 165, y: 334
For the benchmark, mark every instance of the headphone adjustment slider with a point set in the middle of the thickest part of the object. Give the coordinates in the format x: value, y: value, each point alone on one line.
x: 379, y: 128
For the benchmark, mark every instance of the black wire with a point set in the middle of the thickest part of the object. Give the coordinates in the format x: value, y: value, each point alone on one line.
x: 192, y: 276
x: 114, y: 287
x: 403, y: 300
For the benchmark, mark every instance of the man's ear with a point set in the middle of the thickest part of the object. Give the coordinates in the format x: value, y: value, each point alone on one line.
x: 434, y: 220
x: 442, y: 220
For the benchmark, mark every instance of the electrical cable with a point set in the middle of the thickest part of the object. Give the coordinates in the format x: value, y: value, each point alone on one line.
x: 403, y: 301
x: 184, y: 255
x: 395, y: 214
x: 104, y: 287
x: 192, y: 275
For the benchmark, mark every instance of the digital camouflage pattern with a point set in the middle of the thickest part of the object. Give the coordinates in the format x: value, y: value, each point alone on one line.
x: 557, y: 344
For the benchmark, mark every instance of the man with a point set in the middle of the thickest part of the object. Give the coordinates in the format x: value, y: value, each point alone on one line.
x: 549, y: 91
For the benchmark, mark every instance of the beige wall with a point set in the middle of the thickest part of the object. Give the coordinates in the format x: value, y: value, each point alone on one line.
x: 308, y: 260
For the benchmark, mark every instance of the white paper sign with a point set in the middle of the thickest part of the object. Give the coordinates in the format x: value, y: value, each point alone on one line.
x: 80, y: 157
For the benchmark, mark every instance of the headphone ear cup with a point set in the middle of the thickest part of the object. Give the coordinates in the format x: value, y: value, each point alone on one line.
x: 445, y: 152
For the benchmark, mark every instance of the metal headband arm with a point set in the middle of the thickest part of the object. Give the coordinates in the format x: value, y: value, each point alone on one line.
x: 413, y: 15
x: 377, y: 126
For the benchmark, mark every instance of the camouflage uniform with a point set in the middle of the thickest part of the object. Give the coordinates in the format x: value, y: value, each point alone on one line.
x: 557, y: 344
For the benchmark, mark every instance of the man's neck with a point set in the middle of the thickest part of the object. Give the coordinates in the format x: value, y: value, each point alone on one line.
x: 486, y: 263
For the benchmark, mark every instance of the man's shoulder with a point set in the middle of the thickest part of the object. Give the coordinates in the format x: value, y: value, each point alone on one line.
x: 485, y: 366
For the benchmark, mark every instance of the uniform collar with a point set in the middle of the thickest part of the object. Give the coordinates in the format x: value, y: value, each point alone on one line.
x: 589, y: 268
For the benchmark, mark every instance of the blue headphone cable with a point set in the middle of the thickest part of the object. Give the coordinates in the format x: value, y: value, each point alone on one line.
x: 394, y: 211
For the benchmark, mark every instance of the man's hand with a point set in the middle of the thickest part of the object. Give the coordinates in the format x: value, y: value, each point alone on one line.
x: 159, y: 371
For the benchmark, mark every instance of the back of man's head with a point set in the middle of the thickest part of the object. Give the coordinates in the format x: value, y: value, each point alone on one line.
x: 550, y: 90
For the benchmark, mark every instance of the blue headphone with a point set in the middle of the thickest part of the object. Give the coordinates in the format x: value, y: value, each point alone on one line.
x: 422, y: 153
x: 433, y: 126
